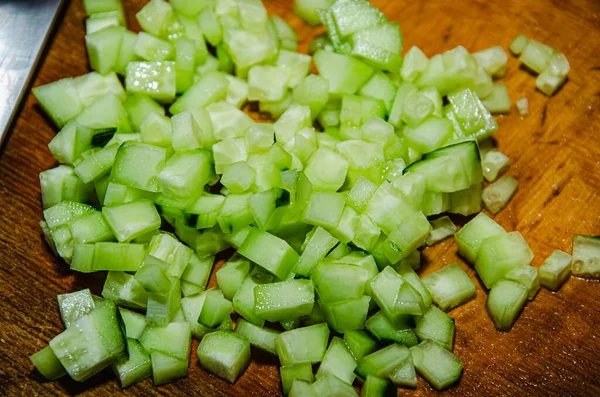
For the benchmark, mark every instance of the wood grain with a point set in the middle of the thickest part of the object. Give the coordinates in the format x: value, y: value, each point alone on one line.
x: 553, y: 349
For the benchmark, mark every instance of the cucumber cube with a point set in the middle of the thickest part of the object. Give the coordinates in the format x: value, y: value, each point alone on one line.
x: 290, y: 373
x: 228, y: 121
x: 125, y: 290
x: 105, y: 113
x: 346, y: 75
x: 153, y: 275
x: 405, y: 375
x: 75, y: 305
x: 407, y: 237
x: 118, y: 256
x: 386, y: 287
x: 215, y: 309
x: 59, y: 100
x: 166, y: 368
x: 437, y: 326
x: 47, y: 364
x: 359, y: 343
x: 224, y: 354
x: 134, y: 322
x: 91, y: 344
x: 377, y: 387
x: 135, y: 368
x: 302, y: 345
x: 285, y: 300
x: 382, y: 362
x: 555, y: 270
x: 155, y: 17
x: 382, y: 329
x: 262, y: 338
x: 338, y: 361
x: 157, y: 80
x: 504, y: 303
x: 408, y: 274
x: 336, y: 282
x: 586, y: 256
x: 347, y: 315
x: 131, y: 220
x: 324, y: 209
x: 137, y: 165
x: 231, y: 275
x: 497, y: 195
x: 330, y: 385
x: 472, y: 234
x: 450, y: 286
x: 437, y: 365
x: 270, y: 252
x: 211, y: 87
x: 326, y: 170
x: 173, y: 339
x: 499, y: 254
x: 186, y: 173
x: 162, y: 308
x: 103, y: 48
x: 528, y: 276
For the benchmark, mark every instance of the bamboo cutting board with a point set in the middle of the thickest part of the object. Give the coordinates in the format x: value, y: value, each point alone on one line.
x: 554, y: 348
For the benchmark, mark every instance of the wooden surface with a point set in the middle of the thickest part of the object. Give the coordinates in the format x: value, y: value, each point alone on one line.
x: 554, y: 348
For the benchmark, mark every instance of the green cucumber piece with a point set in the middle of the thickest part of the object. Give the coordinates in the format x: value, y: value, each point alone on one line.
x: 244, y: 301
x: 155, y: 17
x: 345, y: 74
x: 125, y: 290
x: 134, y: 323
x: 471, y: 235
x: 47, y: 364
x: 103, y: 47
x: 92, y: 343
x: 166, y: 368
x: 75, y: 305
x: 495, y: 163
x: 437, y: 326
x: 329, y: 385
x: 162, y: 308
x: 134, y: 368
x: 215, y: 309
x: 382, y: 362
x: 493, y: 60
x: 377, y: 387
x: 224, y: 354
x: 528, y: 276
x: 554, y: 272
x: 59, y: 100
x: 359, y: 343
x: 381, y: 328
x: 586, y: 256
x: 347, y: 315
x: 262, y: 338
x: 173, y: 339
x: 437, y: 365
x: 231, y: 275
x: 336, y: 282
x: 497, y: 195
x: 284, y: 301
x: 290, y: 373
x: 302, y: 345
x: 450, y: 286
x: 405, y: 375
x: 269, y: 252
x: 131, y: 220
x: 498, y: 102
x: 137, y: 165
x: 338, y: 361
x: 499, y: 254
x: 505, y: 302
x: 155, y: 79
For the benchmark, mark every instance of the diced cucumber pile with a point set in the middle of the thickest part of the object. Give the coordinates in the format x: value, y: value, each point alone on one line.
x: 327, y: 207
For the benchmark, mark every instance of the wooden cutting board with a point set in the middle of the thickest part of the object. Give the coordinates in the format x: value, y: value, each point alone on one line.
x: 554, y: 348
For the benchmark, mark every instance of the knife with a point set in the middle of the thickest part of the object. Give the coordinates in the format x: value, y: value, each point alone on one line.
x: 25, y: 27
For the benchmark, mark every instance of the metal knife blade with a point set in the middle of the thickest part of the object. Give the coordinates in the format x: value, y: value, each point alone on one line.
x: 25, y: 27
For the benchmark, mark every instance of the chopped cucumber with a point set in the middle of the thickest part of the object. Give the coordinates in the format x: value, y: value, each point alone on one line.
x: 437, y: 365
x: 450, y: 286
x: 47, y: 364
x: 470, y: 237
x: 586, y: 256
x: 224, y: 354
x: 504, y: 303
x: 290, y: 373
x: 302, y: 345
x: 555, y: 270
x: 497, y: 195
x: 338, y: 361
